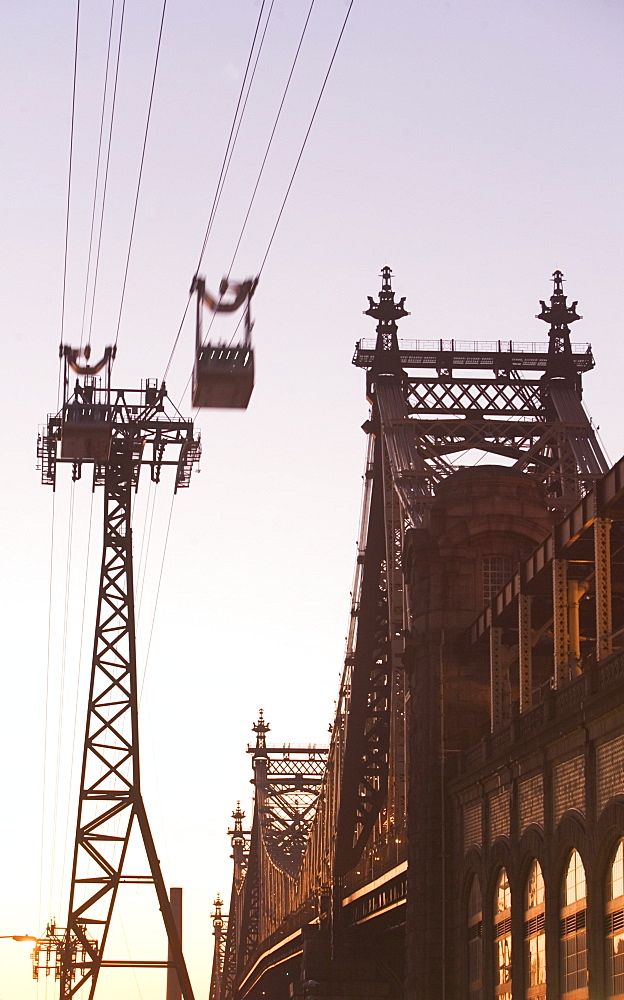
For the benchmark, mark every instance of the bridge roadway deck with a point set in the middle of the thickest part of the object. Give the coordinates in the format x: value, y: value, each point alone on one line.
x: 374, y: 901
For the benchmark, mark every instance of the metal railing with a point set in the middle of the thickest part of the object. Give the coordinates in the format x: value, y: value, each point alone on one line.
x: 475, y: 346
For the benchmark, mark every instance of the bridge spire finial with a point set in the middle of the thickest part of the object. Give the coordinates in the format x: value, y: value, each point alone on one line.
x: 386, y: 279
x: 560, y: 363
x: 260, y: 728
x: 217, y: 916
x: 557, y: 277
x: 559, y: 314
x: 238, y: 816
x: 386, y: 312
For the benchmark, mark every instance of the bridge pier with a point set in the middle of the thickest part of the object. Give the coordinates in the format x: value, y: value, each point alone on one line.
x: 481, y: 520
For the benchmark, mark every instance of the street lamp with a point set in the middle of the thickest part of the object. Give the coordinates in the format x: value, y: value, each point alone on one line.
x: 18, y: 937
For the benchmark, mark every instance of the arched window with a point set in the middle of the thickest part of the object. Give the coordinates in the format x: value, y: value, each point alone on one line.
x: 534, y: 936
x: 614, y: 924
x: 496, y: 572
x: 502, y: 937
x: 572, y: 930
x: 475, y: 941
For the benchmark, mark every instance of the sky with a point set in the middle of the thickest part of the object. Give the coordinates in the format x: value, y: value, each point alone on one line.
x: 473, y: 146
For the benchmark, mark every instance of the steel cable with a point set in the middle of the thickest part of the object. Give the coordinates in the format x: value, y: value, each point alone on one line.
x: 106, y: 172
x: 234, y: 130
x: 69, y: 175
x: 97, y: 172
x: 160, y: 576
x: 263, y: 164
x: 80, y: 652
x: 138, y: 190
x: 63, y: 300
x: 271, y: 137
x: 59, y: 737
x: 221, y: 180
x: 47, y: 707
x: 293, y: 175
x: 221, y: 294
x: 306, y: 137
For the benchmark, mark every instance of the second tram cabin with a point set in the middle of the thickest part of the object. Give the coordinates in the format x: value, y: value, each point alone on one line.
x: 223, y: 375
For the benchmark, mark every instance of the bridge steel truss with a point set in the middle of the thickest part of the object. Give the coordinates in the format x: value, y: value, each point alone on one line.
x: 118, y: 432
x: 287, y: 780
x: 419, y: 426
x: 220, y: 928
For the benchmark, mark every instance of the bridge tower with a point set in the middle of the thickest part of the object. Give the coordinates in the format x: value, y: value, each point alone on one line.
x: 417, y: 423
x: 360, y: 910
x: 219, y: 923
x: 117, y: 433
x: 240, y: 857
x: 435, y: 530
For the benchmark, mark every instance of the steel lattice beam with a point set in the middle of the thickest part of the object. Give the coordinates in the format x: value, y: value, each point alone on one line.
x: 495, y: 397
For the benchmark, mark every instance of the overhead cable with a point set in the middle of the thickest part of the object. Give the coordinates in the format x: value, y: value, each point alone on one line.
x: 69, y: 174
x: 306, y: 137
x: 61, y: 710
x: 235, y: 127
x: 47, y: 710
x: 63, y: 297
x: 271, y: 137
x: 294, y: 172
x: 223, y: 172
x: 229, y: 270
x: 106, y: 169
x: 263, y: 164
x: 138, y: 190
x: 160, y: 577
x: 301, y: 151
x: 97, y: 173
x: 80, y: 655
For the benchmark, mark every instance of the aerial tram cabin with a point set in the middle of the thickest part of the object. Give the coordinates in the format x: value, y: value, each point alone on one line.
x: 87, y: 426
x: 223, y: 374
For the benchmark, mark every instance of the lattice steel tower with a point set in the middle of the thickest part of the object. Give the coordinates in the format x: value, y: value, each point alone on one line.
x: 117, y: 432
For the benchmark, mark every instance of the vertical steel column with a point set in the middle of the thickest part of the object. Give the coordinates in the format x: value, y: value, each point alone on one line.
x: 525, y: 652
x: 575, y: 593
x: 602, y: 562
x: 496, y: 678
x: 173, y: 986
x: 561, y: 639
